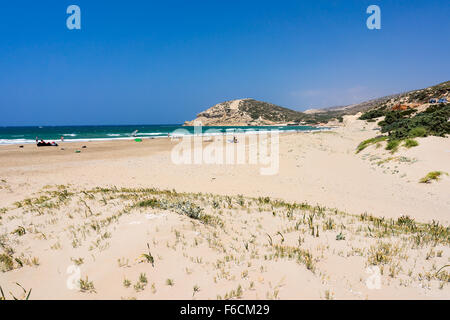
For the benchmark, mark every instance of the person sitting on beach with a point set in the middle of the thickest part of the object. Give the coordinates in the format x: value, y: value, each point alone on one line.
x: 235, y: 140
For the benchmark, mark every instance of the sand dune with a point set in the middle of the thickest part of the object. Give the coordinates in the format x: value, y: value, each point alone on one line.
x: 223, y: 244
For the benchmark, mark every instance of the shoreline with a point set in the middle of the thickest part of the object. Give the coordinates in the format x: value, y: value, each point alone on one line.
x: 147, y: 136
x: 318, y: 167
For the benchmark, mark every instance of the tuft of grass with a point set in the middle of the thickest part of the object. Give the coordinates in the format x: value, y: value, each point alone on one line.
x: 302, y: 256
x: 152, y: 203
x: 140, y: 284
x: 170, y: 282
x: 143, y: 278
x: 340, y: 236
x: 393, y: 145
x: 369, y: 142
x: 328, y: 295
x: 382, y: 253
x: 86, y: 285
x: 25, y: 295
x: 409, y: 143
x: 234, y: 294
x: 6, y: 262
x: 77, y: 261
x: 35, y: 261
x: 433, y: 175
x: 195, y: 290
x: 148, y: 257
x: 20, y: 231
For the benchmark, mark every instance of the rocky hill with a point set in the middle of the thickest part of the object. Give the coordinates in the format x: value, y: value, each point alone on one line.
x: 420, y: 99
x: 250, y: 112
x: 246, y: 112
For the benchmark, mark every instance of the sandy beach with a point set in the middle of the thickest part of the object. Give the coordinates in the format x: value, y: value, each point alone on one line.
x: 132, y: 241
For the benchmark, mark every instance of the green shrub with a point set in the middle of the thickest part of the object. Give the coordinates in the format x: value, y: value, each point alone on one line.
x: 433, y: 121
x: 401, y: 125
x: 372, y: 114
x: 392, y: 145
x: 152, y: 203
x: 409, y: 143
x: 418, y: 132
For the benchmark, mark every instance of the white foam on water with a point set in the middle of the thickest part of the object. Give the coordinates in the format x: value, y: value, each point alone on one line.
x: 151, y: 133
x: 16, y: 141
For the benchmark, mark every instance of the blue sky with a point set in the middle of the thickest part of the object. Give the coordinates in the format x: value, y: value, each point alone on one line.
x: 144, y: 62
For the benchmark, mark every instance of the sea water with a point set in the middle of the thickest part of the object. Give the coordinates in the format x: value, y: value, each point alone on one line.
x: 24, y: 135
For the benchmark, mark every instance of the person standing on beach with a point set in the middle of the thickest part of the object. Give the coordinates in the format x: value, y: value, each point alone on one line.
x: 62, y: 138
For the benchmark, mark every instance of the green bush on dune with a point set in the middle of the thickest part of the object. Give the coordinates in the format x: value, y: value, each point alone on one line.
x: 374, y: 113
x: 409, y: 143
x: 431, y: 122
x: 405, y: 125
x: 418, y: 132
x: 392, y: 145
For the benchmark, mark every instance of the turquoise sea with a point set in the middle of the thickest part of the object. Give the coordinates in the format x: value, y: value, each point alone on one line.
x: 23, y: 135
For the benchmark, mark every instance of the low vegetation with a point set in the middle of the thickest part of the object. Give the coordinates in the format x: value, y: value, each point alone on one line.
x: 86, y: 285
x: 409, y: 143
x: 243, y: 237
x: 402, y: 120
x: 408, y: 124
x: 25, y: 294
x: 369, y: 142
x: 392, y: 145
x: 405, y: 125
x: 433, y: 175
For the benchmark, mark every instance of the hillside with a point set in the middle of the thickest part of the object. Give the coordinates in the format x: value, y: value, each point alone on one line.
x: 411, y: 103
x: 246, y: 112
x: 250, y: 112
x: 419, y: 99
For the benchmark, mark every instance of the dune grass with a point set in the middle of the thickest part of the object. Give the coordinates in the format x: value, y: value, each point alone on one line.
x: 409, y: 143
x: 369, y: 142
x: 276, y: 230
x: 393, y: 145
x: 433, y: 175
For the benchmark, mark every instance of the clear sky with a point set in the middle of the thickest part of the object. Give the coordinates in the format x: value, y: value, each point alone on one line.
x: 144, y: 62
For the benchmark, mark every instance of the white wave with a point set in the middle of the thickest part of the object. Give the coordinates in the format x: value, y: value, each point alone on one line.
x: 151, y: 134
x: 16, y: 141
